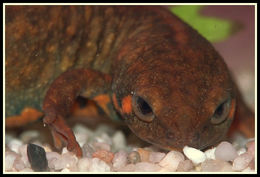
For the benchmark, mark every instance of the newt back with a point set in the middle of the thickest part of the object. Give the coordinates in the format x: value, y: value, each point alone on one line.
x: 44, y: 41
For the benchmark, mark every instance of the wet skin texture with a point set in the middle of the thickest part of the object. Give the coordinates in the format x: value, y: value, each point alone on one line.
x: 165, y: 81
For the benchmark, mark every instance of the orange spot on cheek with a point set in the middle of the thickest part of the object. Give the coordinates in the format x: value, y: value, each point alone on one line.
x: 232, y: 109
x: 127, y: 104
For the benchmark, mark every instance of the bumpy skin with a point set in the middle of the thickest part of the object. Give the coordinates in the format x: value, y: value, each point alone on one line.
x: 56, y: 53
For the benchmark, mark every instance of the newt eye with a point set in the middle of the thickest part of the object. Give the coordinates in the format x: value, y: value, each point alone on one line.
x: 142, y: 109
x: 221, y: 112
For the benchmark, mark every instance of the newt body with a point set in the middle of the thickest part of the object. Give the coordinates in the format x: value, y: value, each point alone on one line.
x: 166, y: 81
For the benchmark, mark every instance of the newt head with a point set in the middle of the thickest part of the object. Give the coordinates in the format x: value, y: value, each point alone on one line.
x: 183, y: 98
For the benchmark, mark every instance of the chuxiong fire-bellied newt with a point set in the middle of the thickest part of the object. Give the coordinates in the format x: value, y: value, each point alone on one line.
x: 167, y: 83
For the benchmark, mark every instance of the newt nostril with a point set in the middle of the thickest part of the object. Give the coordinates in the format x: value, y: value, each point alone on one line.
x: 205, y: 128
x: 169, y: 135
x: 197, y: 136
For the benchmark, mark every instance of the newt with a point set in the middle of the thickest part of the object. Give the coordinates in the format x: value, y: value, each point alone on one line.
x: 141, y: 64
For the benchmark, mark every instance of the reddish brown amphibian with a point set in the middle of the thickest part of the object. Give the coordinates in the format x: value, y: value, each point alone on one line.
x: 165, y: 80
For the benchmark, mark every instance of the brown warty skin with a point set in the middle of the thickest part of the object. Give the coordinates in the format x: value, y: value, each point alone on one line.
x: 165, y: 81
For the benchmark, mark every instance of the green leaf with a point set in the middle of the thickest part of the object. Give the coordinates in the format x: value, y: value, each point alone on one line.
x: 212, y: 28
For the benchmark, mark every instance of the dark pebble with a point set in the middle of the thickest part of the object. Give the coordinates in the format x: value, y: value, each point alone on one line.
x: 37, y: 157
x: 134, y: 157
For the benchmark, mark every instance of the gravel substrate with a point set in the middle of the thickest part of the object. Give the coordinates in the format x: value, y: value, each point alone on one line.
x: 106, y: 150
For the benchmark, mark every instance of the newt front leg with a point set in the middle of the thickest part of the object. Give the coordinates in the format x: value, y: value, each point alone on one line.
x: 61, y: 97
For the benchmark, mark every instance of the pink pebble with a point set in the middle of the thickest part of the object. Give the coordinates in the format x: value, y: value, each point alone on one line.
x: 171, y: 160
x: 211, y: 165
x: 119, y: 160
x: 87, y: 150
x: 23, y: 152
x: 242, y: 161
x: 251, y: 148
x: 156, y: 156
x: 146, y: 167
x: 27, y: 170
x: 52, y: 162
x: 252, y: 164
x: 225, y: 151
x: 185, y: 165
x: 18, y: 164
x: 104, y: 155
x: 128, y: 168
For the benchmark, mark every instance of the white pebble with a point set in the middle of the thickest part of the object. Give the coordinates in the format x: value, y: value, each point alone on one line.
x: 52, y: 157
x: 195, y: 155
x: 211, y: 165
x: 14, y: 145
x: 9, y: 160
x: 103, y: 138
x: 225, y: 151
x: 101, y: 146
x: 241, y: 151
x: 88, y: 150
x: 242, y: 161
x: 52, y: 162
x: 37, y: 142
x: 84, y: 164
x: 64, y: 150
x: 58, y: 164
x: 210, y: 153
x: 238, y: 141
x: 81, y: 129
x: 146, y: 167
x: 47, y: 148
x: 156, y: 156
x: 98, y: 165
x: 81, y: 138
x: 119, y: 160
x: 103, y: 128
x: 198, y: 167
x: 65, y: 170
x: 248, y: 169
x: 67, y: 160
x: 27, y: 136
x: 118, y: 140
x: 9, y: 137
x: 171, y: 160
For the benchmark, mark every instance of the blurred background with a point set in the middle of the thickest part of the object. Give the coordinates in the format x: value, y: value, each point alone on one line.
x: 231, y: 29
